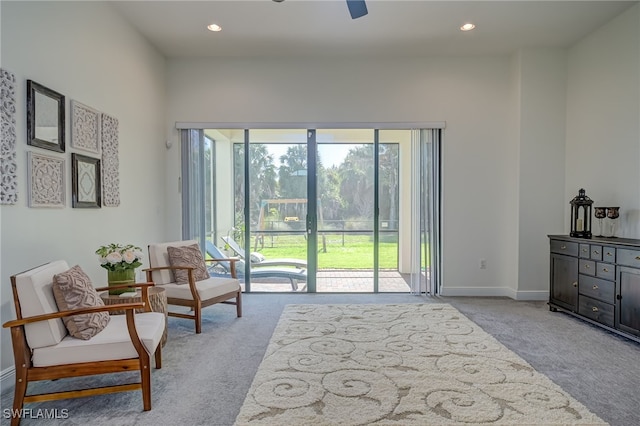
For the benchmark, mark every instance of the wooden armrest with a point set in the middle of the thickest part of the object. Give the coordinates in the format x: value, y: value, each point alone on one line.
x: 231, y: 260
x: 161, y: 268
x: 62, y: 314
x: 115, y: 287
x: 232, y: 264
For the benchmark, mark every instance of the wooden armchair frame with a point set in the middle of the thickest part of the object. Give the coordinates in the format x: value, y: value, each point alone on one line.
x: 197, y: 303
x: 26, y: 372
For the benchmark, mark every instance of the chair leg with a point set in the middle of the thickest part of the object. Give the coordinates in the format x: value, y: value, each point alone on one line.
x: 294, y: 284
x: 145, y: 375
x: 239, y: 304
x: 198, y: 318
x: 158, y: 356
x: 18, y: 396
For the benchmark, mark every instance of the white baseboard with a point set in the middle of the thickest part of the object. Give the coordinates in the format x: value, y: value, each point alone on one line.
x: 494, y: 292
x: 7, y: 379
x: 477, y: 291
x: 532, y: 295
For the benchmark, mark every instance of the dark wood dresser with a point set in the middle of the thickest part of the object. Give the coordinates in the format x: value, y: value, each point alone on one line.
x: 598, y: 280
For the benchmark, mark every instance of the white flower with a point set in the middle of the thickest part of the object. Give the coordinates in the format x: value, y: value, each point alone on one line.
x: 129, y: 256
x: 114, y: 257
x: 118, y: 257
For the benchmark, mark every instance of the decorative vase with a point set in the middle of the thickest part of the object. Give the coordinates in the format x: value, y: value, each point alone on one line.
x: 124, y: 276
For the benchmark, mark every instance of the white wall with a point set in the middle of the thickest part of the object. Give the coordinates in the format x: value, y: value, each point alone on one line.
x: 542, y: 111
x: 85, y: 51
x: 603, y: 131
x: 473, y: 96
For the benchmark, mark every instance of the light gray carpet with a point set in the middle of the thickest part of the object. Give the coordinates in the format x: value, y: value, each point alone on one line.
x: 397, y: 364
x: 205, y: 378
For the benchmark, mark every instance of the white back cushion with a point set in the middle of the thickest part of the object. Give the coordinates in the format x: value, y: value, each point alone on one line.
x: 36, y: 298
x: 159, y: 256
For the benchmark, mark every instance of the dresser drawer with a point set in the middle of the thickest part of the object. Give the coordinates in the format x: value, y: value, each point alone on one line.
x: 587, y: 267
x: 605, y: 270
x: 629, y: 257
x: 609, y: 254
x: 584, y: 251
x: 596, y: 252
x: 564, y: 247
x: 597, y: 288
x: 596, y: 310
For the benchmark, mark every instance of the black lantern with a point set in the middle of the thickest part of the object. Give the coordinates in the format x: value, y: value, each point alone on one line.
x: 581, y: 216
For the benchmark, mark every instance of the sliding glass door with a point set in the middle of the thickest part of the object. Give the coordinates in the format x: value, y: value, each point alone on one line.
x: 326, y: 210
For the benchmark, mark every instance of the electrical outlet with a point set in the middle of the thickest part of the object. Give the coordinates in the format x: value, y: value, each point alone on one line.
x: 483, y: 263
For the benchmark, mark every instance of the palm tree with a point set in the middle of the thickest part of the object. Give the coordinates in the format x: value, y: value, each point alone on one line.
x: 262, y: 175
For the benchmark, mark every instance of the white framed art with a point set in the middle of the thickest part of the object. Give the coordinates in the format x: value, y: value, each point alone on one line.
x: 8, y: 163
x: 46, y: 180
x: 110, y: 162
x: 85, y: 128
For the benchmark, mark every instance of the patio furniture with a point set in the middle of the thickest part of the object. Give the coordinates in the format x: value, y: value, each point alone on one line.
x: 261, y: 262
x: 292, y: 274
x: 188, y: 283
x: 51, y: 343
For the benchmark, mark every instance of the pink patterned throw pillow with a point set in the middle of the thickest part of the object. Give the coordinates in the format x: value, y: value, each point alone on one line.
x: 189, y: 256
x: 72, y: 289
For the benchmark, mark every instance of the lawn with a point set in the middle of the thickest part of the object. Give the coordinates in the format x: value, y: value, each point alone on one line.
x: 355, y: 253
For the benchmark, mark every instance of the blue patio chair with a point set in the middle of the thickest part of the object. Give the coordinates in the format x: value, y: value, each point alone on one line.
x: 294, y: 275
x: 298, y: 263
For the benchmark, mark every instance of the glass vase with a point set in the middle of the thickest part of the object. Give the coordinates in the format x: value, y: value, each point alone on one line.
x: 124, y: 276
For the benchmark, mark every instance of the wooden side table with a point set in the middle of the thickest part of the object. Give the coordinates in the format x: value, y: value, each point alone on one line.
x: 157, y: 299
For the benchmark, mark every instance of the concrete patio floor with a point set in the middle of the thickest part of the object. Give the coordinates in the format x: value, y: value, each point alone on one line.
x: 340, y: 281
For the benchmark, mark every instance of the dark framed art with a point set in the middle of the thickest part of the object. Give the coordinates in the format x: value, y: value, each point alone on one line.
x: 45, y: 117
x: 85, y: 182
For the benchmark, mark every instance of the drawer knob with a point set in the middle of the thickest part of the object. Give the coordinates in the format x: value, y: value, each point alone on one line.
x: 596, y: 252
x: 575, y: 283
x: 584, y: 250
x: 595, y: 287
x: 562, y: 247
x: 587, y: 266
x: 605, y: 270
x: 609, y: 253
x: 594, y: 309
x: 637, y: 257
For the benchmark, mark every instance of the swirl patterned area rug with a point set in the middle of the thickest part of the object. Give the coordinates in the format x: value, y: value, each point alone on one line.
x: 405, y: 364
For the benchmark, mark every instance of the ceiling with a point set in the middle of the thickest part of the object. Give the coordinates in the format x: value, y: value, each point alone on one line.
x: 312, y: 28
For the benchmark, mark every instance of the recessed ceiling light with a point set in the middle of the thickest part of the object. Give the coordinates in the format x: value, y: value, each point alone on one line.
x: 214, y: 27
x: 467, y: 27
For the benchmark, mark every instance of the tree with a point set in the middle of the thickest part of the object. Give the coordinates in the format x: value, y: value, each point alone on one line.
x: 356, y: 186
x: 292, y: 173
x: 262, y: 176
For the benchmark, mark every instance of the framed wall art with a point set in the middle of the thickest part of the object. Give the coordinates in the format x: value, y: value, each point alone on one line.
x: 46, y: 180
x: 8, y: 162
x: 110, y: 161
x: 85, y: 182
x: 45, y: 117
x: 85, y: 128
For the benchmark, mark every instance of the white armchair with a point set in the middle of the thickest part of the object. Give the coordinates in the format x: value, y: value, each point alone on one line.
x: 44, y: 350
x: 197, y: 289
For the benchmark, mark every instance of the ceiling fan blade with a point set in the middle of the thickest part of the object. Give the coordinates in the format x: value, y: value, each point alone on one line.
x: 357, y: 8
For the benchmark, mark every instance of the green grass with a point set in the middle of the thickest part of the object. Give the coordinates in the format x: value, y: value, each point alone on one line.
x: 356, y: 253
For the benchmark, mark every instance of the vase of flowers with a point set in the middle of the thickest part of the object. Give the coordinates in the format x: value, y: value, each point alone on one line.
x: 121, y: 262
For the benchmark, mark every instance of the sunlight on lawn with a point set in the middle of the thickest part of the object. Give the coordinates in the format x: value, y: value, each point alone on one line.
x: 356, y: 253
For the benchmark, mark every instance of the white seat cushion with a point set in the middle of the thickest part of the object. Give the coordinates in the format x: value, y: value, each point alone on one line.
x: 112, y: 343
x: 207, y: 289
x: 35, y: 293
